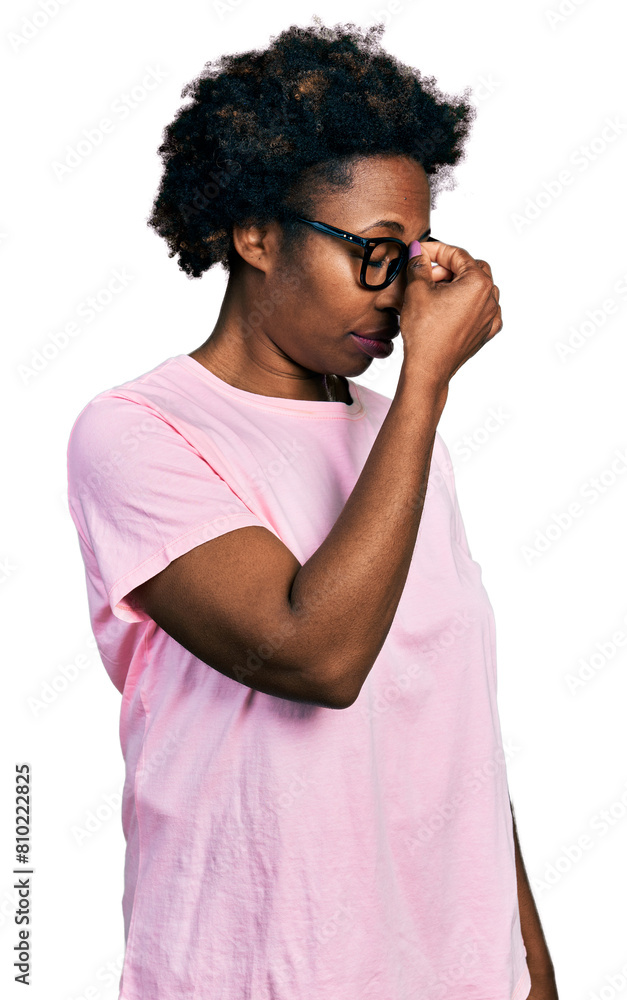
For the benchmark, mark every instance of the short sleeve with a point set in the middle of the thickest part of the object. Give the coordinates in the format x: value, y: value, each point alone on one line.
x: 141, y: 495
x: 446, y: 466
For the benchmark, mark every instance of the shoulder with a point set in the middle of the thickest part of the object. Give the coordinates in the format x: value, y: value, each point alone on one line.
x: 108, y: 419
x: 119, y: 408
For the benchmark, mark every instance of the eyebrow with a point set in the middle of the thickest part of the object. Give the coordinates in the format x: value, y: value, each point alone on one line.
x: 391, y: 224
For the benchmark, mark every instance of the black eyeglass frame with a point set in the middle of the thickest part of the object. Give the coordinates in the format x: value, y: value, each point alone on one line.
x: 368, y: 245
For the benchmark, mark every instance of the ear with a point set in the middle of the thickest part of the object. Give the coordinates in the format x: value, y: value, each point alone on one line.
x: 255, y: 244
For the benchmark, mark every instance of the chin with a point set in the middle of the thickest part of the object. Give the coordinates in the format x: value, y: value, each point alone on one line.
x: 366, y: 362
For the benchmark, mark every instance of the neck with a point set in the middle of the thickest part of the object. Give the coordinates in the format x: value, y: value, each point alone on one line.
x: 253, y: 363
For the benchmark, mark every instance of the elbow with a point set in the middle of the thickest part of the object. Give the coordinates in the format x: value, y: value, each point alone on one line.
x: 343, y: 703
x: 332, y: 689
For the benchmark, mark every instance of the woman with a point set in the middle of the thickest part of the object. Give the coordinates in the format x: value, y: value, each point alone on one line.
x: 316, y: 802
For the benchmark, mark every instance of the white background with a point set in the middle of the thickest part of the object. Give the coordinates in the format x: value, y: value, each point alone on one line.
x: 545, y: 88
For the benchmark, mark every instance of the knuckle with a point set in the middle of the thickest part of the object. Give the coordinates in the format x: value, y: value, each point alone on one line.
x: 460, y: 254
x: 485, y: 270
x: 483, y: 282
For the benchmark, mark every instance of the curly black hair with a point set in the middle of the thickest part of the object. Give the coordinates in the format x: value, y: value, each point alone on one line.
x: 308, y: 107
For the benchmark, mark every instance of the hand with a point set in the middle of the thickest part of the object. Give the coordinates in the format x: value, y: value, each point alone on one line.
x: 439, y: 272
x: 449, y: 312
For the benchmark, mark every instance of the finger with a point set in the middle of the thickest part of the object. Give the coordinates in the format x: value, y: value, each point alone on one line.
x: 419, y: 264
x: 497, y: 324
x: 483, y: 264
x: 441, y: 273
x: 455, y: 259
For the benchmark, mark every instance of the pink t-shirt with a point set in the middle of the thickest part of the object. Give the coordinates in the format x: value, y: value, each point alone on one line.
x: 279, y: 850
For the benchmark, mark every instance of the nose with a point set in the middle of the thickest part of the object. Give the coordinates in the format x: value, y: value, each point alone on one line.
x: 396, y: 290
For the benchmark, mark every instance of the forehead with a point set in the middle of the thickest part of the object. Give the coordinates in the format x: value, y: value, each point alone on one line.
x: 390, y: 187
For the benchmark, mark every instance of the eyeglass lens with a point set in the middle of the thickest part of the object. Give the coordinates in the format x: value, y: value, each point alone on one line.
x: 382, y: 263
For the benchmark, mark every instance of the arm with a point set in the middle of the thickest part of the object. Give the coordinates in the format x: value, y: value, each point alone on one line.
x: 543, y: 986
x: 234, y: 597
x: 243, y: 603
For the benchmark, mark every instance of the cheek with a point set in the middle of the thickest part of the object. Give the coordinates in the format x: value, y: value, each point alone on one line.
x: 324, y: 288
x: 333, y: 267
x: 338, y: 285
x: 337, y: 304
x: 291, y: 298
x: 318, y: 285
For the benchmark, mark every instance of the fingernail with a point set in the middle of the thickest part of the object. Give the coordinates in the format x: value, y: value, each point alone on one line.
x: 415, y: 249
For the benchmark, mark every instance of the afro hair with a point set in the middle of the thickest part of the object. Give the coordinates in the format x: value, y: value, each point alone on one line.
x: 317, y: 100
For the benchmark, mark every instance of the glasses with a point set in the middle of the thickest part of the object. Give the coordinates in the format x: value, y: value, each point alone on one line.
x: 384, y: 256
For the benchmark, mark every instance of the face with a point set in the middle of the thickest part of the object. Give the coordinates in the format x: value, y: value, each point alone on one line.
x: 319, y: 302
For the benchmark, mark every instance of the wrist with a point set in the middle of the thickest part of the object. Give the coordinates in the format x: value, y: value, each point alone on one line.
x: 422, y: 383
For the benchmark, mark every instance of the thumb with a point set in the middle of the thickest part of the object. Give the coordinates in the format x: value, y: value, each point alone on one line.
x: 419, y: 263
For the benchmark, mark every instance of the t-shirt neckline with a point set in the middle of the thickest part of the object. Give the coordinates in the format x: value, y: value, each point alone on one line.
x: 317, y: 407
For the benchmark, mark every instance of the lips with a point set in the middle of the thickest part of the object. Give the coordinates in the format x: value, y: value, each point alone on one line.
x: 381, y: 348
x: 386, y: 333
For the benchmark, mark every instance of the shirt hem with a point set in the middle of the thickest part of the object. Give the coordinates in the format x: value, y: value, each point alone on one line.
x: 523, y: 986
x: 167, y: 553
x: 521, y: 990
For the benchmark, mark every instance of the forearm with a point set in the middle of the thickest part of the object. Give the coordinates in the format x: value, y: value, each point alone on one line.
x: 346, y: 594
x: 538, y: 958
